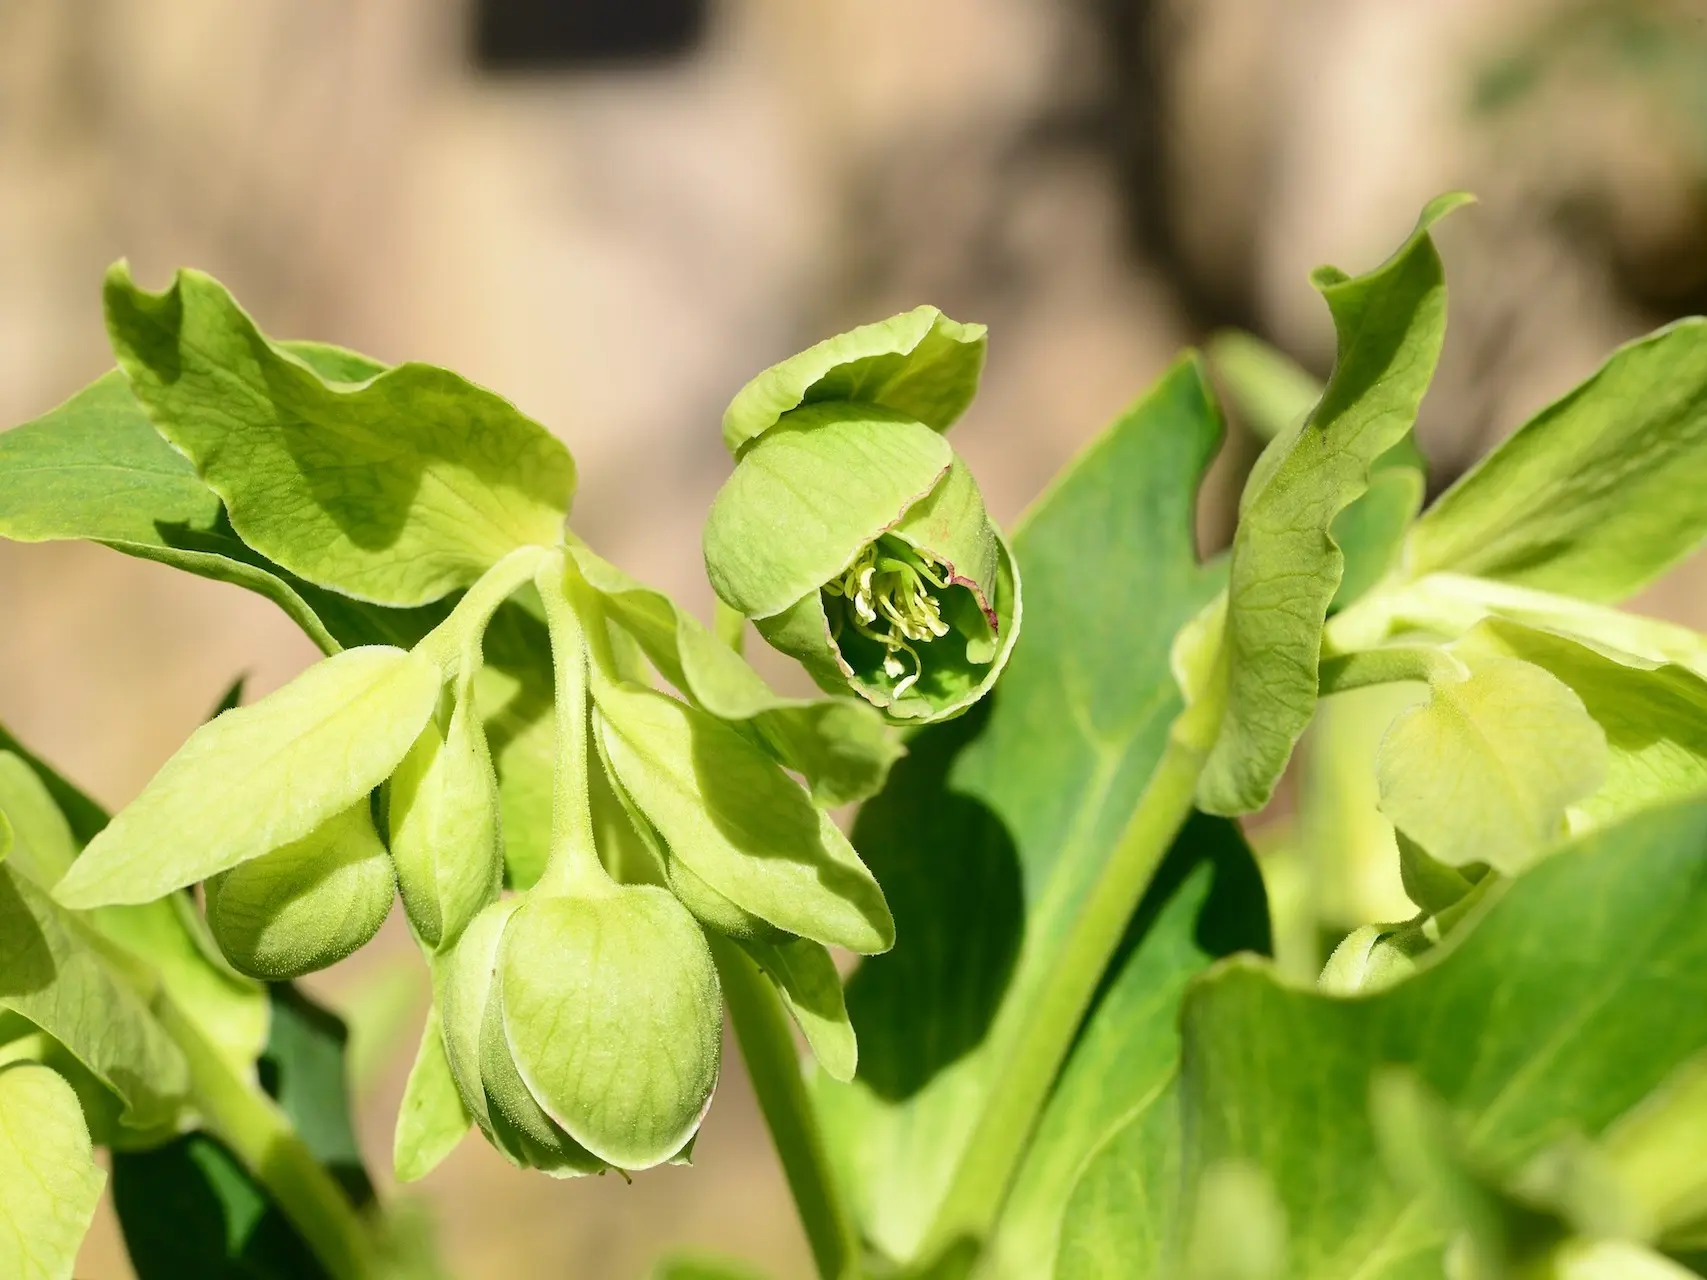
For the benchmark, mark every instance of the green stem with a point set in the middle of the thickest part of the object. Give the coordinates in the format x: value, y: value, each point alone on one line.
x: 1027, y: 1048
x: 573, y: 864
x: 1347, y: 671
x: 249, y: 1122
x: 767, y: 1047
x: 447, y: 642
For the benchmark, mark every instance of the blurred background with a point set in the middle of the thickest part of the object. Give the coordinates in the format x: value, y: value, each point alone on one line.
x: 616, y: 211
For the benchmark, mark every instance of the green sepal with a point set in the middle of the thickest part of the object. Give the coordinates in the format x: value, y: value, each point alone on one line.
x: 841, y: 746
x: 258, y: 777
x: 307, y: 905
x: 803, y: 501
x: 613, y: 1017
x: 431, y: 1120
x: 952, y: 678
x: 919, y: 363
x: 396, y: 489
x: 733, y: 817
x: 443, y: 824
x: 805, y: 977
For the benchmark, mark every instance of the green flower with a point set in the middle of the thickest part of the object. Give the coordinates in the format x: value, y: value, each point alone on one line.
x: 852, y: 534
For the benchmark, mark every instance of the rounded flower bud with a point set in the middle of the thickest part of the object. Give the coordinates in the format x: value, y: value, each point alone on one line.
x: 851, y: 532
x: 597, y: 1038
x: 306, y: 905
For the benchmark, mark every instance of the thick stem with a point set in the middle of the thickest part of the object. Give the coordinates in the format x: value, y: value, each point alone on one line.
x: 1028, y: 1047
x: 249, y: 1122
x: 767, y: 1047
x: 573, y: 865
x: 1347, y: 671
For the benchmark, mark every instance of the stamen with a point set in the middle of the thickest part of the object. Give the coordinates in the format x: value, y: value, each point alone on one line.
x: 889, y: 594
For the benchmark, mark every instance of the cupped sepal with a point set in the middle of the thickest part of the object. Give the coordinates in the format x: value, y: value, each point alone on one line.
x: 445, y: 834
x: 939, y: 656
x: 307, y: 905
x: 613, y: 1015
x: 920, y: 363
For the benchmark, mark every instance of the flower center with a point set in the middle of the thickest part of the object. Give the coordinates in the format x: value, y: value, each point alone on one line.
x: 888, y: 595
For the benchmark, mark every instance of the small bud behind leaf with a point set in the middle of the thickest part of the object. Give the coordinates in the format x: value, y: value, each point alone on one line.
x: 307, y: 905
x: 443, y: 811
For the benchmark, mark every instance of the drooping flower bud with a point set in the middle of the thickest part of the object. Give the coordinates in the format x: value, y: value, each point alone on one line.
x: 306, y: 905
x: 853, y: 534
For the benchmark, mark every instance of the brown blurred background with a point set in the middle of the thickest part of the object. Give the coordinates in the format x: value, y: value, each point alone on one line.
x: 615, y: 211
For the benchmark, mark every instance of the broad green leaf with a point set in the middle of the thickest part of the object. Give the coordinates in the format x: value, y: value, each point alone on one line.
x: 811, y: 991
x: 304, y: 1069
x: 1371, y: 531
x: 612, y: 1011
x: 841, y: 746
x: 49, y: 1181
x: 95, y: 468
x: 919, y: 363
x: 1654, y: 716
x: 261, y: 776
x: 992, y: 833
x: 306, y: 905
x: 1123, y: 1214
x: 1205, y: 902
x: 1286, y: 569
x: 1599, y: 493
x: 1484, y: 770
x: 58, y: 973
x: 1578, y: 992
x: 398, y: 488
x: 738, y: 822
x: 774, y: 535
x: 431, y: 1119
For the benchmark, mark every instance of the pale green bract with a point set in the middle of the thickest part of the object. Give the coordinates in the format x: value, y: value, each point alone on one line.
x: 261, y: 776
x: 397, y: 489
x: 731, y: 816
x: 49, y: 1181
x: 1286, y: 569
x: 1485, y: 770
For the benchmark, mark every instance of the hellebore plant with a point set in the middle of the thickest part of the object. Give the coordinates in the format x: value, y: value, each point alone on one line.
x: 1066, y: 1052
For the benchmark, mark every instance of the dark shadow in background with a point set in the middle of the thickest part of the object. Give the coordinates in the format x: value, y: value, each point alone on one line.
x: 566, y: 35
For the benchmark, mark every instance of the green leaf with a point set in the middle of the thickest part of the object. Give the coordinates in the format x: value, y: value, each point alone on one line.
x: 514, y: 693
x: 841, y: 746
x: 396, y: 489
x: 82, y: 815
x: 431, y: 1120
x: 1576, y: 994
x: 805, y: 977
x: 305, y: 905
x: 738, y: 822
x: 1267, y: 389
x: 1599, y: 493
x: 58, y: 973
x: 704, y: 1266
x: 1286, y: 569
x: 1371, y: 531
x: 876, y: 462
x: 49, y: 1181
x: 992, y: 834
x: 261, y: 776
x: 95, y: 468
x: 304, y: 1069
x: 1486, y: 768
x: 1205, y: 902
x: 919, y: 363
x: 612, y: 1011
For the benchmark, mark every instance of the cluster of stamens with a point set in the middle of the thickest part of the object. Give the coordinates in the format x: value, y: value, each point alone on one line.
x: 889, y: 600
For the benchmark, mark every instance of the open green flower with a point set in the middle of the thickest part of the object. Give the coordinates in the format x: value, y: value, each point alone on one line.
x: 851, y: 532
